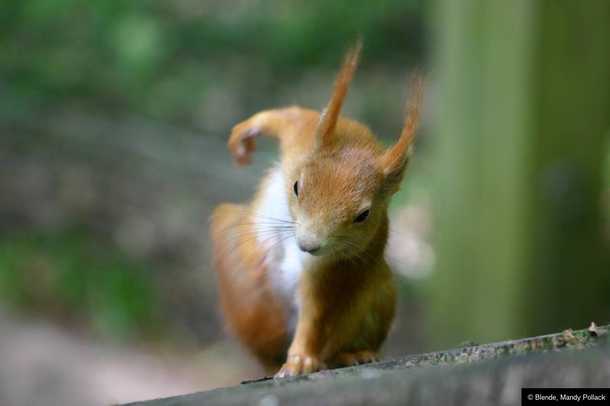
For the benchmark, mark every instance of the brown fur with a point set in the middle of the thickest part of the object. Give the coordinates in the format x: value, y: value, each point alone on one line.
x: 347, y: 293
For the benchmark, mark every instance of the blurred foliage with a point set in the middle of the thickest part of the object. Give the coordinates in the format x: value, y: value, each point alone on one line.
x: 159, y: 57
x: 71, y: 276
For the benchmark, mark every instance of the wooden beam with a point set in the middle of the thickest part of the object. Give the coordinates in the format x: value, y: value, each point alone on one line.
x: 525, y: 106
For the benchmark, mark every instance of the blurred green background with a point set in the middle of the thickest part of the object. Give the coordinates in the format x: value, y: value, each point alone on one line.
x: 113, y: 122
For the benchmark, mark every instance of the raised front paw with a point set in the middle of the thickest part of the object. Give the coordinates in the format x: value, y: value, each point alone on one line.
x: 299, y: 364
x: 347, y: 359
x: 242, y: 142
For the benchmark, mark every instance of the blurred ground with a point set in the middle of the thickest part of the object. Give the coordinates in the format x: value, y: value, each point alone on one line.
x: 45, y: 365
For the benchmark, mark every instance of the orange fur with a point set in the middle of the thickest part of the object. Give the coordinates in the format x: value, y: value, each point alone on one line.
x: 345, y: 293
x: 247, y: 301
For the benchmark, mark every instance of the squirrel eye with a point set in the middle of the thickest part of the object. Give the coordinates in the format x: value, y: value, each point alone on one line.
x: 296, y: 189
x: 362, y: 217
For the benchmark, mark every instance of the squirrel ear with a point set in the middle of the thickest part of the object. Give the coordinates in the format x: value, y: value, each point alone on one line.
x: 330, y: 115
x: 394, y: 161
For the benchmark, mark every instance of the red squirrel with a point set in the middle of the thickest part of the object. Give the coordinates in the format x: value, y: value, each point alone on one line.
x: 303, y: 280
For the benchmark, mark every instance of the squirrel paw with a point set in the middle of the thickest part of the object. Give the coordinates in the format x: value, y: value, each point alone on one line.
x: 242, y: 142
x: 299, y: 364
x: 347, y: 359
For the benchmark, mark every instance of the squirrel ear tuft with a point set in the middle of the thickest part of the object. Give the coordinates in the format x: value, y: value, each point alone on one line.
x: 330, y: 115
x: 394, y: 161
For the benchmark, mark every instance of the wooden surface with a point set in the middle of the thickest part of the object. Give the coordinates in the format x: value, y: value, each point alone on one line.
x: 494, y: 374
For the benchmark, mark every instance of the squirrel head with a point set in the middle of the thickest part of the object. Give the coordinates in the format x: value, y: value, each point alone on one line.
x: 340, y: 194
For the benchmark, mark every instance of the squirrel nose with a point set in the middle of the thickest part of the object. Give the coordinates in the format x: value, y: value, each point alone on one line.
x: 305, y: 247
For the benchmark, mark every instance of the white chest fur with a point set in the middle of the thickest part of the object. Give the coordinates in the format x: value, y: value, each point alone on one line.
x: 274, y: 227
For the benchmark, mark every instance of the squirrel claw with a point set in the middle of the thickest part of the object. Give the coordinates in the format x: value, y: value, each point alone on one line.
x: 355, y: 358
x: 299, y: 364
